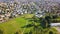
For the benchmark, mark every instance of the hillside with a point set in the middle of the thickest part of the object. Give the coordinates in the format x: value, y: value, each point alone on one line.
x: 14, y: 25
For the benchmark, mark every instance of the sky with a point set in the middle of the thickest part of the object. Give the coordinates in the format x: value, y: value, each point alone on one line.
x: 29, y: 0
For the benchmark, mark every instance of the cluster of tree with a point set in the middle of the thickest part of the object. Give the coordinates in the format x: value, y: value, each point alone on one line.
x: 40, y: 26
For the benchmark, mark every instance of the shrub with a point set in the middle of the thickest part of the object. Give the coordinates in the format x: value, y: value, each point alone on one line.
x: 16, y: 33
x: 1, y: 32
x: 50, y: 32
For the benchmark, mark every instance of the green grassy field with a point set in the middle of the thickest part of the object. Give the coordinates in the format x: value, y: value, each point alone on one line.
x: 15, y: 24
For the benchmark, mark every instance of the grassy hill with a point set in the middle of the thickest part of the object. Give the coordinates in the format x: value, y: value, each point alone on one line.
x: 14, y: 25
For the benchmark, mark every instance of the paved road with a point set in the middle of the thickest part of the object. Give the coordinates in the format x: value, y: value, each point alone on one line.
x: 55, y: 24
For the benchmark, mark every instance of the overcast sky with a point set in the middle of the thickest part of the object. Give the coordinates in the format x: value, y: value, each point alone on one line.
x: 29, y: 0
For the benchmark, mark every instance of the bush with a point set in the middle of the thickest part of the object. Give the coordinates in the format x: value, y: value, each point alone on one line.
x: 54, y: 16
x: 50, y: 32
x: 1, y: 32
x: 16, y: 33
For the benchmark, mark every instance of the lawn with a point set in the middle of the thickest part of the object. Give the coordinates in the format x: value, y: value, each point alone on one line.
x: 14, y: 25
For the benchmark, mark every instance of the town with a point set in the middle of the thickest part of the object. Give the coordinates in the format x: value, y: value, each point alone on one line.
x: 13, y: 9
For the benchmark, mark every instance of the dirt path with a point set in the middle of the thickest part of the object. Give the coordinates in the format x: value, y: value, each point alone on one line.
x: 58, y: 29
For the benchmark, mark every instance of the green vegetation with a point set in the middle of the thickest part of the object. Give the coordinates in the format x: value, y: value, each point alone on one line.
x: 18, y: 26
x: 15, y: 24
x: 41, y: 26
